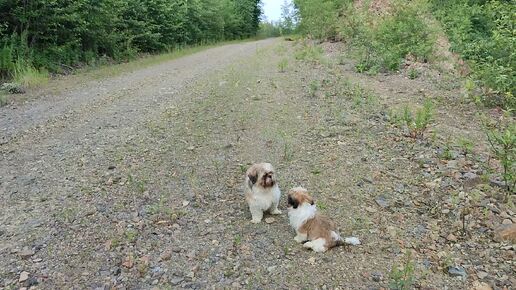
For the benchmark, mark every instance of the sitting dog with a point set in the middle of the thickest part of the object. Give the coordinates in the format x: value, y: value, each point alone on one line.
x: 261, y: 191
x: 313, y: 230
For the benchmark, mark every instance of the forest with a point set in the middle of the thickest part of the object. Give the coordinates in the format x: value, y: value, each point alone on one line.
x: 56, y: 35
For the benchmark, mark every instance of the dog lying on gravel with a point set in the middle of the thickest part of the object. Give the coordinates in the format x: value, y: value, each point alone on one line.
x: 261, y: 191
x: 313, y: 230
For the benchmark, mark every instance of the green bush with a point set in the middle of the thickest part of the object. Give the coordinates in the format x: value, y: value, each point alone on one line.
x: 385, y: 44
x: 401, y: 33
x: 380, y: 42
x: 482, y: 32
x: 319, y: 18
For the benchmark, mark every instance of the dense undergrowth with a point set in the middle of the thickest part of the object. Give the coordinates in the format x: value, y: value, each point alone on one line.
x: 482, y: 32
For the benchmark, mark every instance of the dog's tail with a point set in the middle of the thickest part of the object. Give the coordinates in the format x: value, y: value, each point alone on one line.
x: 339, y: 241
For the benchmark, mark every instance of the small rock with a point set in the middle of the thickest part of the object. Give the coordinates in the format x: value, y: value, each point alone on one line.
x: 128, y: 262
x: 191, y: 148
x: 26, y: 253
x: 376, y: 276
x: 452, y: 164
x: 457, y: 271
x: 176, y: 280
x: 166, y: 255
x: 368, y: 180
x: 191, y: 254
x: 505, y: 233
x: 494, y: 181
x: 392, y: 231
x: 451, y: 238
x: 470, y: 175
x: 157, y: 271
x: 477, y: 285
x: 370, y: 209
x: 186, y: 203
x: 271, y: 269
x: 311, y: 260
x: 481, y: 275
x: 382, y: 201
x: 111, y: 167
x: 270, y: 220
x: 506, y: 222
x: 32, y: 281
x: 23, y: 276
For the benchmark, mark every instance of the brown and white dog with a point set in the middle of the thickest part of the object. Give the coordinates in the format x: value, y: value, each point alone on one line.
x: 261, y: 191
x: 312, y: 229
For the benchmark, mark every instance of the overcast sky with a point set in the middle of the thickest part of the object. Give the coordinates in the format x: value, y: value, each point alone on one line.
x: 272, y: 9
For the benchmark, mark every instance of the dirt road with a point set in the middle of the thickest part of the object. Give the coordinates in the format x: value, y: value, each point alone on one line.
x: 135, y: 181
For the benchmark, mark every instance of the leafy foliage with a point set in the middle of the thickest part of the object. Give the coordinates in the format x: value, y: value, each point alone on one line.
x: 482, y: 32
x: 418, y: 122
x: 319, y: 18
x: 57, y: 34
x: 381, y: 42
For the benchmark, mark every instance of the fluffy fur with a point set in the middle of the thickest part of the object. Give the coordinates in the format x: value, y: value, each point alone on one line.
x: 261, y: 191
x: 315, y: 231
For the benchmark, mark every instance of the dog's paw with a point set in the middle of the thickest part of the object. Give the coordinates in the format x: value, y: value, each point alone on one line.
x: 308, y: 245
x: 299, y: 239
x: 256, y: 221
x: 276, y: 211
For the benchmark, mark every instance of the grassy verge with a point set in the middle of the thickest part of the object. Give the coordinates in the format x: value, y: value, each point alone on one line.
x: 26, y: 76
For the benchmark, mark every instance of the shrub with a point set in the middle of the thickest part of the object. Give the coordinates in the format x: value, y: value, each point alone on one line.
x: 282, y: 64
x: 382, y: 42
x: 503, y: 146
x: 482, y: 32
x: 319, y: 18
x: 413, y: 73
x: 402, y: 278
x: 418, y: 123
x: 309, y: 52
x: 401, y: 33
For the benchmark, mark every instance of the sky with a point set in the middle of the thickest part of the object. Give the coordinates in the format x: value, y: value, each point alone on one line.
x: 272, y: 9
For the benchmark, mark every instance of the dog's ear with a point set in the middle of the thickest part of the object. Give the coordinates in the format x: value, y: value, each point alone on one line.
x: 252, y: 174
x: 294, y: 203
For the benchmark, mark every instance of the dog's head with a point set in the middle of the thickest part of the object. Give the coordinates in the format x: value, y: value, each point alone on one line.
x: 261, y: 174
x: 298, y: 196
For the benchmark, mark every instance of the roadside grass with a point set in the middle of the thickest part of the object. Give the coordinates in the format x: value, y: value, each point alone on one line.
x: 29, y: 77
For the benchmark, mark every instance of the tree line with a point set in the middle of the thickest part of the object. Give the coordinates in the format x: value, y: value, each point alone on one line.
x: 57, y: 33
